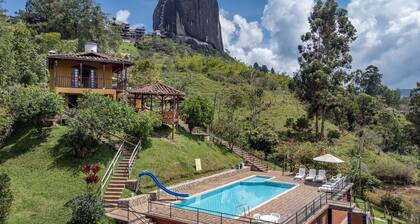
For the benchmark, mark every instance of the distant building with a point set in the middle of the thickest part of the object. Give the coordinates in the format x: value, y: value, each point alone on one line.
x: 132, y: 34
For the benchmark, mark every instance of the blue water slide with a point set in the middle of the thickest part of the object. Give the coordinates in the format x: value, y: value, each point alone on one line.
x: 160, y: 185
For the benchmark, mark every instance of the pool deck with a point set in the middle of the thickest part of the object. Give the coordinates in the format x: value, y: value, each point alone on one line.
x: 285, y: 205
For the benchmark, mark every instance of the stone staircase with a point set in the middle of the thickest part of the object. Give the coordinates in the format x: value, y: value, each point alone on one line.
x: 249, y: 159
x: 253, y: 161
x: 117, y: 183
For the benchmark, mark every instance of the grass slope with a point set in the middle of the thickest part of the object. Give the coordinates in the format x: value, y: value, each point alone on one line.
x: 43, y: 180
x: 174, y: 161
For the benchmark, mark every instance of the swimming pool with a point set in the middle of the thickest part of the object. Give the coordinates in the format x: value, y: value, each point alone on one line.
x: 238, y: 197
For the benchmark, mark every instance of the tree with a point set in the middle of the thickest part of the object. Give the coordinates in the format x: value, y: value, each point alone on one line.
x: 100, y: 117
x: 414, y: 115
x: 229, y: 127
x: 263, y: 138
x: 366, y: 108
x: 197, y: 112
x: 324, y: 57
x: 264, y: 68
x: 34, y: 104
x: 393, y: 130
x: 391, y: 97
x: 29, y: 65
x: 144, y: 72
x: 391, y: 204
x: 6, y: 197
x: 20, y: 62
x: 370, y: 82
x: 74, y: 19
x: 256, y: 66
x: 7, y: 60
x: 272, y: 71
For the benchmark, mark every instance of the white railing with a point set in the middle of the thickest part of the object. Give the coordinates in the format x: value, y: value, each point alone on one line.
x: 111, y: 168
x: 133, y: 157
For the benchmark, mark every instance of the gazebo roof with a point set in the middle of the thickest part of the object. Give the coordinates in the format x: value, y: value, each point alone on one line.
x: 158, y: 89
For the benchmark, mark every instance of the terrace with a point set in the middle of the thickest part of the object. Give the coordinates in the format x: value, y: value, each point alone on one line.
x: 302, y: 204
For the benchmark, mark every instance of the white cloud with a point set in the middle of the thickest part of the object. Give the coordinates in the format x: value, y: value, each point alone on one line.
x: 122, y: 16
x: 285, y: 20
x: 388, y: 32
x: 243, y: 39
x: 249, y: 34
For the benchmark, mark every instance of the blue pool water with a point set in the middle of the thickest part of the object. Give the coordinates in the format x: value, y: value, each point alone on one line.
x: 232, y: 199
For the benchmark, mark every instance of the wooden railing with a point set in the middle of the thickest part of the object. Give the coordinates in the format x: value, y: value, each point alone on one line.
x: 111, y: 168
x: 97, y: 83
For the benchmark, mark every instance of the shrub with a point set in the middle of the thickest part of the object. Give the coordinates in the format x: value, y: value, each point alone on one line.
x: 98, y: 117
x: 393, y: 172
x: 333, y: 135
x: 142, y: 125
x: 86, y: 209
x: 263, y: 139
x: 33, y: 104
x: 6, y: 197
x: 391, y: 204
x: 197, y: 112
x: 82, y: 144
x: 6, y: 124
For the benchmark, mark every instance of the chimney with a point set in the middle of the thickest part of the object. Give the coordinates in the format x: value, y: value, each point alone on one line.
x: 91, y: 47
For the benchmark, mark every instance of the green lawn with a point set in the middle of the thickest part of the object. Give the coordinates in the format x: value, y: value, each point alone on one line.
x: 43, y: 179
x: 380, y: 217
x: 173, y: 161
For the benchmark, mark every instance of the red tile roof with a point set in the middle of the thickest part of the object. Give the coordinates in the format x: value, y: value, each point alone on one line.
x: 157, y: 88
x: 90, y: 57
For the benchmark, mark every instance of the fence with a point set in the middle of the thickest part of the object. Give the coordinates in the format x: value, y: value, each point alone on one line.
x: 194, y: 214
x: 336, y: 195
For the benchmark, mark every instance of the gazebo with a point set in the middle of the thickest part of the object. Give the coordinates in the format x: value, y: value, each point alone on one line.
x: 168, y: 97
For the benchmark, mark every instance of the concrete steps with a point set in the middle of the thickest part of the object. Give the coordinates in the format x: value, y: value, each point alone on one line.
x: 117, y: 183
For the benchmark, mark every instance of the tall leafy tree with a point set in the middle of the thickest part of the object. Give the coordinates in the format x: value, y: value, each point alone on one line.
x: 371, y: 81
x: 324, y: 59
x: 7, y: 59
x: 197, y: 112
x: 30, y: 66
x: 73, y: 19
x: 414, y: 114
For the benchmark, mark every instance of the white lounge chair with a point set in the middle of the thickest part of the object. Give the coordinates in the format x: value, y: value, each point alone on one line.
x: 330, y: 187
x: 321, y: 177
x: 257, y: 216
x: 338, y: 177
x: 301, y: 174
x: 311, y: 175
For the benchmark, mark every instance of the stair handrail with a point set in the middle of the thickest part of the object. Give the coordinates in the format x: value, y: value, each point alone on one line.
x: 133, y: 157
x: 111, y: 168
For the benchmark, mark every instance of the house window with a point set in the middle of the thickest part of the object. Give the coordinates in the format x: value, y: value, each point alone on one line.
x: 75, y: 80
x: 87, y: 78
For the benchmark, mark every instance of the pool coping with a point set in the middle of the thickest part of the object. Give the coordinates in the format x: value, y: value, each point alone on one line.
x: 236, y: 181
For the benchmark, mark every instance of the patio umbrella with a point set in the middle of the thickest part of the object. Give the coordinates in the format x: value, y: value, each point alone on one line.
x: 328, y: 158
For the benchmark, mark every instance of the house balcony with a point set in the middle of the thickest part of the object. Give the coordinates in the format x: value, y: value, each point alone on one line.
x: 89, y: 83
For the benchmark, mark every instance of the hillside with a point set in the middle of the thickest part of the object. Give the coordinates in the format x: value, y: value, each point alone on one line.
x: 44, y: 178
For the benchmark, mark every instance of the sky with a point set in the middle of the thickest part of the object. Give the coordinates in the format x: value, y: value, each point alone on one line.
x: 268, y: 32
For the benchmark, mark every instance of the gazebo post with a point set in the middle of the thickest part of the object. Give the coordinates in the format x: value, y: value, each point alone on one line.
x: 151, y: 103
